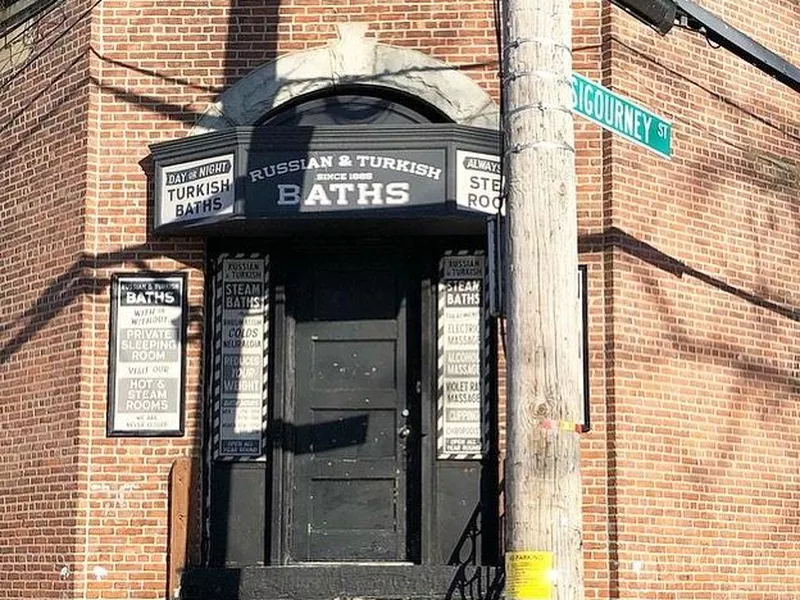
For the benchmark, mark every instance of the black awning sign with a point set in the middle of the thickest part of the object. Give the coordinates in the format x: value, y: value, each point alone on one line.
x: 254, y: 180
x: 330, y: 181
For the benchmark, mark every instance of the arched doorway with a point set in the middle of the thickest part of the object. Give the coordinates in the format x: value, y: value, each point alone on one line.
x: 333, y: 271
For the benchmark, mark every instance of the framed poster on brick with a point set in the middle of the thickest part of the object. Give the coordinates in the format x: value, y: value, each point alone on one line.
x: 146, y: 391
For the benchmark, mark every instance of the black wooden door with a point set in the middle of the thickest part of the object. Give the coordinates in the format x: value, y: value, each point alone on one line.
x: 351, y: 411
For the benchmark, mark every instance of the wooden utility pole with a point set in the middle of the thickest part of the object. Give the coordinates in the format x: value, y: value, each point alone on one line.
x: 542, y: 477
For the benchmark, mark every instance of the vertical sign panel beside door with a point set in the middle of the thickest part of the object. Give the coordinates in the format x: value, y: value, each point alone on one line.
x: 241, y: 340
x: 466, y: 466
x: 236, y: 498
x: 462, y: 350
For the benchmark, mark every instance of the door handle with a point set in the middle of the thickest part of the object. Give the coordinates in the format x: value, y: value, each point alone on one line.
x: 404, y: 431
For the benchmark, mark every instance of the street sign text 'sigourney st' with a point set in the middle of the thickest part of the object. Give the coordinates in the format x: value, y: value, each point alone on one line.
x: 621, y: 116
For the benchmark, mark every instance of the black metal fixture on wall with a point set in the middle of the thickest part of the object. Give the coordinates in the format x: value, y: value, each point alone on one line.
x: 662, y: 15
x: 658, y: 14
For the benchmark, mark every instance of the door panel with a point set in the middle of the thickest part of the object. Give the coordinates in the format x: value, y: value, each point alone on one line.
x: 238, y: 514
x: 350, y: 463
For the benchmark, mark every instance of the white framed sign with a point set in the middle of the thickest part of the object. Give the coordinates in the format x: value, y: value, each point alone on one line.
x: 147, y: 355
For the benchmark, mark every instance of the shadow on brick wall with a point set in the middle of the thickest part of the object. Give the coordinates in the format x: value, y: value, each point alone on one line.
x: 731, y: 427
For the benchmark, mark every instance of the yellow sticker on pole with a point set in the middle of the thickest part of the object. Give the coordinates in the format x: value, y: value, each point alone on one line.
x: 528, y: 575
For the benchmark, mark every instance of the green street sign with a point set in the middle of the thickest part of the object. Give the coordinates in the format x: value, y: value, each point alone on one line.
x: 615, y: 113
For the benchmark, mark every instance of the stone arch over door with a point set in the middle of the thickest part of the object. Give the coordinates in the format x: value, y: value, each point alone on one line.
x: 352, y: 59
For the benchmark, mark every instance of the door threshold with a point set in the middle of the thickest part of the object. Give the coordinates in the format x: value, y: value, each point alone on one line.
x: 349, y: 563
x: 402, y: 581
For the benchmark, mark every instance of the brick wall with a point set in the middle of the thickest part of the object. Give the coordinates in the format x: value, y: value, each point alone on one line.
x: 45, y: 280
x: 689, y: 493
x: 702, y: 318
x: 587, y: 43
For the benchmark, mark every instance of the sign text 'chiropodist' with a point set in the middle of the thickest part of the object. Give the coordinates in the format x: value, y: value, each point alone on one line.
x: 328, y: 181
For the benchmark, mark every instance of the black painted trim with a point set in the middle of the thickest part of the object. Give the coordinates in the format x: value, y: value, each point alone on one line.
x: 327, y: 138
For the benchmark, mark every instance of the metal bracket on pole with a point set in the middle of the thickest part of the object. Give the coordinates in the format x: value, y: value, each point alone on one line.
x: 496, y: 257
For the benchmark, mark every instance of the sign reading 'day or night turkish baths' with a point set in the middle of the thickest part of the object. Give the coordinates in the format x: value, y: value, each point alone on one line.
x: 195, y: 189
x: 147, y: 355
